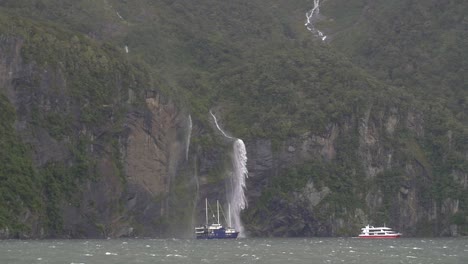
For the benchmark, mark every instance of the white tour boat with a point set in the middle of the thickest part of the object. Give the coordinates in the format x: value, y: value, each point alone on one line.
x: 378, y: 232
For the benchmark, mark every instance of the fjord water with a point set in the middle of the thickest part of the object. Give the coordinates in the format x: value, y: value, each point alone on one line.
x: 290, y: 251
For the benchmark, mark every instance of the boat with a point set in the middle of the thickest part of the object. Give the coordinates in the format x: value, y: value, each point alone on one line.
x: 215, y: 230
x: 378, y: 232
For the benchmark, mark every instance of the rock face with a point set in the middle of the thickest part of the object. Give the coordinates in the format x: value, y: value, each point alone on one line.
x: 391, y: 182
x: 136, y: 170
x: 131, y: 175
x: 137, y: 203
x: 154, y: 161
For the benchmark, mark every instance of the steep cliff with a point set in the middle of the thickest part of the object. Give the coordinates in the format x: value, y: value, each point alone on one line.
x: 102, y: 150
x: 106, y: 130
x: 373, y: 168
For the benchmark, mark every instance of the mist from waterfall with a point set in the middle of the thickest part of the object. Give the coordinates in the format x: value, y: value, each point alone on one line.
x: 310, y: 16
x: 237, y: 198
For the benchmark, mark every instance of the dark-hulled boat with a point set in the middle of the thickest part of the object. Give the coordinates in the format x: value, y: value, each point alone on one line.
x: 215, y: 230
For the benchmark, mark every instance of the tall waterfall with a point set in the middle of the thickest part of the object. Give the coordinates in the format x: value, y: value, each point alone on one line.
x: 194, y: 169
x: 189, y: 135
x: 237, y: 198
x: 240, y: 173
x: 310, y: 16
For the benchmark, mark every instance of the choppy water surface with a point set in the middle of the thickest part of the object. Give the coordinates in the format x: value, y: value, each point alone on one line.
x: 285, y: 251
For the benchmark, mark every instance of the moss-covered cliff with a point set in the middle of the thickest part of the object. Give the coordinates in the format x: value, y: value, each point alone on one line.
x: 73, y: 110
x: 106, y: 130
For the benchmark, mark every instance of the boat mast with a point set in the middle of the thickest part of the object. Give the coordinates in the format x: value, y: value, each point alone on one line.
x: 206, y: 211
x: 217, y: 207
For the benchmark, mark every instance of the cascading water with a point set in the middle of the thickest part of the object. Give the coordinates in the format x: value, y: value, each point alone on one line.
x: 219, y: 128
x: 240, y: 174
x: 310, y: 16
x: 189, y: 135
x: 237, y: 198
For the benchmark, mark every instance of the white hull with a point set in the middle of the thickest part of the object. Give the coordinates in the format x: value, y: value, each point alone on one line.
x: 378, y: 232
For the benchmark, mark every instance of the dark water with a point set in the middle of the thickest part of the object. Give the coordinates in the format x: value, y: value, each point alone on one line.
x: 287, y: 251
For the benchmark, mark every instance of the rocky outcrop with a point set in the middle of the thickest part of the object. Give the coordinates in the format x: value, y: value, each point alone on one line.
x: 394, y: 187
x: 154, y: 159
x: 131, y: 171
x: 130, y: 174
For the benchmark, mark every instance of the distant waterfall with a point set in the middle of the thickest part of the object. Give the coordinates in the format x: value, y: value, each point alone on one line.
x: 310, y: 16
x: 219, y: 128
x: 189, y: 135
x: 194, y: 169
x: 237, y: 197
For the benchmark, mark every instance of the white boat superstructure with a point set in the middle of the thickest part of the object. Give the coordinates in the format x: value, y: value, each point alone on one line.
x: 378, y: 232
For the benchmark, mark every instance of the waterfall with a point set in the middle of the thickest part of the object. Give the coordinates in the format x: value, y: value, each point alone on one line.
x: 237, y: 198
x: 310, y: 16
x: 240, y: 173
x: 194, y: 169
x: 189, y: 135
x: 219, y: 128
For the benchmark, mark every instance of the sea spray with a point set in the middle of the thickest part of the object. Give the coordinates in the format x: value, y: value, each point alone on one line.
x: 237, y: 198
x: 310, y: 16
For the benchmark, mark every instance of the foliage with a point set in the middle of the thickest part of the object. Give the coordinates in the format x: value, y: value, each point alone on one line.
x: 285, y: 80
x: 269, y: 78
x: 19, y: 183
x: 418, y: 45
x: 78, y: 88
x: 58, y: 184
x: 341, y: 181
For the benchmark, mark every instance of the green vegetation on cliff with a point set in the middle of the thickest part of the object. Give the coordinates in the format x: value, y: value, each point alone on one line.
x: 418, y: 49
x: 19, y: 194
x: 74, y: 85
x: 269, y: 78
x: 419, y: 46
